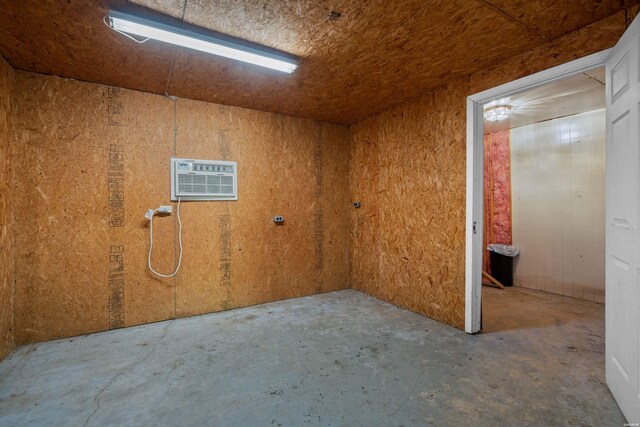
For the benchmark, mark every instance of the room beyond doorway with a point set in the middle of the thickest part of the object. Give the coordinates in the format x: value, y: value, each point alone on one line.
x: 544, y: 177
x: 475, y: 167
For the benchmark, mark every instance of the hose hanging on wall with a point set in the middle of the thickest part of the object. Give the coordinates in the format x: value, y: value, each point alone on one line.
x: 149, y: 215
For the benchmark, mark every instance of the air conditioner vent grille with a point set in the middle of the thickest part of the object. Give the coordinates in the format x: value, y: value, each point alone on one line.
x: 203, y: 180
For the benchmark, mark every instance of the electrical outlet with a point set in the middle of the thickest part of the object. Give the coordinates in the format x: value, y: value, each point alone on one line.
x: 165, y: 209
x: 278, y: 219
x: 356, y: 205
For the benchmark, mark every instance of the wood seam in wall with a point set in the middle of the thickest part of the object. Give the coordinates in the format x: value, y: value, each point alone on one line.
x: 12, y: 172
x: 7, y: 235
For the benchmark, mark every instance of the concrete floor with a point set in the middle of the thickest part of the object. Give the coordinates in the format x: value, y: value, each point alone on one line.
x: 338, y: 359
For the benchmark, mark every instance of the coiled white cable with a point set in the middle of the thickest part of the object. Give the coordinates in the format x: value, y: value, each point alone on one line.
x: 151, y: 243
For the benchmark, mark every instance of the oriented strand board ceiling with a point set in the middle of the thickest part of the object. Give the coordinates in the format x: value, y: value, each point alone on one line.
x: 572, y: 95
x: 358, y: 58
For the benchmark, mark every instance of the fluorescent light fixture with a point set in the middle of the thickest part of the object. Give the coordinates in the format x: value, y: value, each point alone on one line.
x: 217, y: 45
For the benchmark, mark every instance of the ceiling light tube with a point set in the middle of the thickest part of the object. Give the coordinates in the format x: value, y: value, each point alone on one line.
x: 217, y: 45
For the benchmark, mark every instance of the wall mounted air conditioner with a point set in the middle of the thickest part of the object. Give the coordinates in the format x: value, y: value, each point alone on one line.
x: 193, y: 179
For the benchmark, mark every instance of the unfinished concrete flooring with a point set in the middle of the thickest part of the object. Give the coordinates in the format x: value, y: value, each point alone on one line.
x: 338, y: 359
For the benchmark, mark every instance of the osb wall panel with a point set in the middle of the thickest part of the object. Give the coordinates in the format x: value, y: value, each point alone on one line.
x: 6, y: 212
x: 95, y: 158
x: 294, y: 168
x: 412, y: 195
x: 408, y: 169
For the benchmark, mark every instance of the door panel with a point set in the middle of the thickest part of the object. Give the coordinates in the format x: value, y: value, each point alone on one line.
x: 622, y: 225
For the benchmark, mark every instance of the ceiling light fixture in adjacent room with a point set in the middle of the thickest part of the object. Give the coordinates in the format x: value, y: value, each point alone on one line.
x: 220, y: 45
x: 496, y: 113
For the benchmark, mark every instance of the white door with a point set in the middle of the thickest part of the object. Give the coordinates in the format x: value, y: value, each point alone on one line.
x: 623, y: 226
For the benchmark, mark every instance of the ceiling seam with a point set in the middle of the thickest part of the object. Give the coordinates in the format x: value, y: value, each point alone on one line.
x: 175, y: 51
x: 594, y: 78
x: 538, y: 32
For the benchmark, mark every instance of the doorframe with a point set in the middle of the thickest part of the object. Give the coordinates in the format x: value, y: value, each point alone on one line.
x: 475, y: 171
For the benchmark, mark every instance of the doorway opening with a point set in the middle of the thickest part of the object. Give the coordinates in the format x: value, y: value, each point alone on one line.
x: 517, y: 90
x: 544, y: 222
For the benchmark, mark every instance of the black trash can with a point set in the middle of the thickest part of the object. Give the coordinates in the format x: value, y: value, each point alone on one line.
x: 501, y: 258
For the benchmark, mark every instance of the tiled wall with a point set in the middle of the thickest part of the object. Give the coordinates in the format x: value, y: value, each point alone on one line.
x: 558, y: 205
